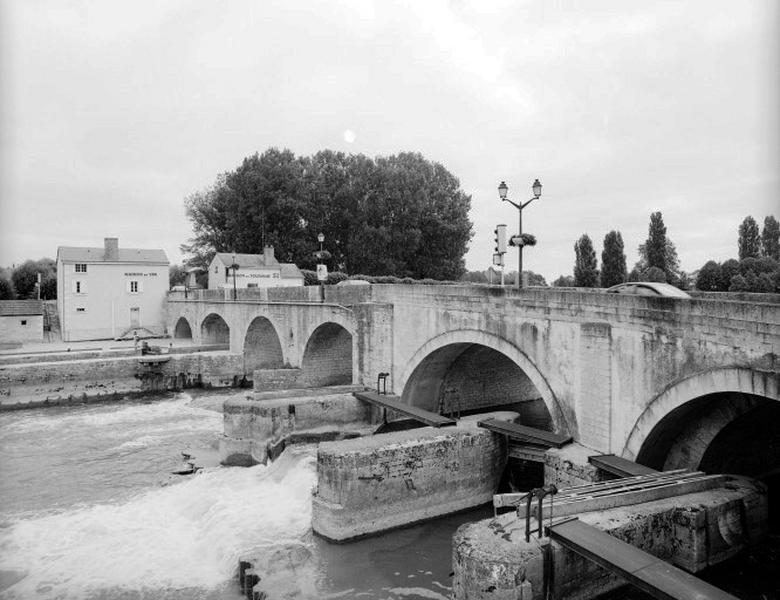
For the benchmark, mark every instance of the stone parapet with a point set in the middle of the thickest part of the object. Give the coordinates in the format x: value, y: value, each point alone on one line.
x: 369, y: 485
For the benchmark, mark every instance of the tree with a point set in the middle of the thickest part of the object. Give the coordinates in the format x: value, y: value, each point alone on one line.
x: 749, y: 242
x: 770, y: 238
x: 655, y: 246
x: 654, y: 274
x: 585, y: 266
x: 400, y: 215
x: 6, y: 289
x: 564, y: 281
x: 613, y: 260
x: 709, y: 278
x: 25, y: 279
x: 728, y: 269
x: 177, y: 275
x: 657, y: 251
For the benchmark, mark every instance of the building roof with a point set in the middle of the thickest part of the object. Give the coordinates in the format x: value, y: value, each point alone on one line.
x: 126, y: 255
x: 291, y: 271
x: 248, y: 261
x: 259, y: 261
x: 19, y: 308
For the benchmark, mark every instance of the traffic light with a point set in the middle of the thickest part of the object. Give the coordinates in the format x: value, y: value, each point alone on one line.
x: 500, y: 238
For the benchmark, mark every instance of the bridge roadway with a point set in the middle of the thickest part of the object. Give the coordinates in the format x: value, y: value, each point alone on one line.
x: 652, y: 380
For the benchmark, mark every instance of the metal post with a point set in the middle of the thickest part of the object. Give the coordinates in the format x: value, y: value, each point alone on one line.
x: 520, y: 248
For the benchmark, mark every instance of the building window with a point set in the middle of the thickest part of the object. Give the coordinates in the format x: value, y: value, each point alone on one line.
x: 133, y: 287
x: 24, y: 322
x: 79, y: 288
x: 81, y: 268
x: 81, y: 309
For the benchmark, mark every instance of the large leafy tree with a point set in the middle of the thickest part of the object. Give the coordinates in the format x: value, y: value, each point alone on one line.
x: 749, y: 242
x: 613, y: 260
x: 709, y: 277
x: 400, y: 215
x: 770, y: 238
x: 585, y: 266
x: 25, y: 279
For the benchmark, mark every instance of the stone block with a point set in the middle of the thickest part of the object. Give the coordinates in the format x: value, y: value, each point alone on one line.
x: 373, y: 484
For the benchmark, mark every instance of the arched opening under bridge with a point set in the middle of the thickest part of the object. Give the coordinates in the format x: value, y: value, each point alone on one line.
x: 721, y: 432
x: 214, y: 330
x: 182, y: 330
x: 466, y: 378
x: 327, y: 359
x: 262, y: 348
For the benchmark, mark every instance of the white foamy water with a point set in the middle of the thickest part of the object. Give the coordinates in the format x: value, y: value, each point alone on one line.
x: 185, y: 535
x: 91, y: 510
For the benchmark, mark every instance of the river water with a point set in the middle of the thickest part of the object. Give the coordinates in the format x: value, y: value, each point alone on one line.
x: 90, y: 509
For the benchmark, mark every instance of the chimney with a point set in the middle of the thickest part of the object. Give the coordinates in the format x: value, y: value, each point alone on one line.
x: 268, y: 255
x: 112, y: 248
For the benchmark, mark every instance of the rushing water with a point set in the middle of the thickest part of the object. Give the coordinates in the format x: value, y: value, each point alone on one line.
x: 90, y: 510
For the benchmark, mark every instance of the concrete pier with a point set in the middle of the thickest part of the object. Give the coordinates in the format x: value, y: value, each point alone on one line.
x: 492, y: 560
x: 261, y: 423
x: 369, y: 485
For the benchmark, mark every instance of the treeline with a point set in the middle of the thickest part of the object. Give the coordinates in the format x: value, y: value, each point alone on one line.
x: 401, y: 215
x: 758, y: 267
x: 757, y: 270
x: 21, y: 282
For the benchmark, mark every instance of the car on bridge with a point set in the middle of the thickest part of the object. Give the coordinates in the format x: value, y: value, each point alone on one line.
x: 647, y: 288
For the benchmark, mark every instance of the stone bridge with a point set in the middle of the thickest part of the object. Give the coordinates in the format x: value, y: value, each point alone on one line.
x: 666, y: 382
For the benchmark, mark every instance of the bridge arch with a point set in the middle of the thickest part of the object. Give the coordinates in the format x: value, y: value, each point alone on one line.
x: 182, y: 329
x: 721, y: 420
x: 452, y: 357
x: 214, y: 330
x: 262, y: 345
x: 327, y: 357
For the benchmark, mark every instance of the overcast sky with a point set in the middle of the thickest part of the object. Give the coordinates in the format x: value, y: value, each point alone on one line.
x: 111, y: 113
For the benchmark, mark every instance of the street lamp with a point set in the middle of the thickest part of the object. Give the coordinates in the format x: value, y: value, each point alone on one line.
x: 502, y: 192
x: 321, y: 273
x: 234, y: 266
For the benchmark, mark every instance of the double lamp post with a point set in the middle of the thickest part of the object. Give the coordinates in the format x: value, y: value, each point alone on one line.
x: 518, y: 240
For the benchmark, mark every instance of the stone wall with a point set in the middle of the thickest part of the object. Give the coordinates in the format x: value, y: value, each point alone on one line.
x: 373, y: 484
x: 74, y: 380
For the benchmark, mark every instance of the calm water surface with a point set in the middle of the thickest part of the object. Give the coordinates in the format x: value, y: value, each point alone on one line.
x: 90, y: 510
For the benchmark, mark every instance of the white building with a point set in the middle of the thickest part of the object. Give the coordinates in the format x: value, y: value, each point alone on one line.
x: 254, y: 270
x: 111, y: 292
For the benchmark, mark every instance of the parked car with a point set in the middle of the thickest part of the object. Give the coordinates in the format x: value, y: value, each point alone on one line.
x: 647, y: 288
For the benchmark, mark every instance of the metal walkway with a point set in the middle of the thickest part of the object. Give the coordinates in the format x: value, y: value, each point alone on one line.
x: 604, y: 495
x: 619, y: 466
x: 525, y: 434
x: 394, y: 403
x: 645, y: 571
